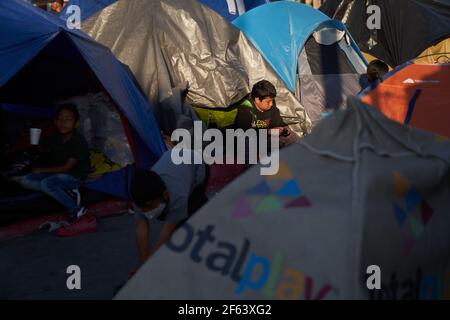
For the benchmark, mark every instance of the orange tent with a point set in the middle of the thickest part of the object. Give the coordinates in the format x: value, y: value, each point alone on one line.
x: 415, y: 94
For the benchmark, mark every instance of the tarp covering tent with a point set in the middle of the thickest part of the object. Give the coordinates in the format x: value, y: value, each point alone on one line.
x: 42, y: 61
x: 387, y: 203
x: 314, y: 55
x: 170, y: 43
x: 415, y: 94
x: 407, y: 27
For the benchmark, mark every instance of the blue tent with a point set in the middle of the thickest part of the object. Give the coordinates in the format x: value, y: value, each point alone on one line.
x: 280, y: 30
x: 229, y: 9
x: 298, y: 40
x: 88, y: 7
x: 35, y: 50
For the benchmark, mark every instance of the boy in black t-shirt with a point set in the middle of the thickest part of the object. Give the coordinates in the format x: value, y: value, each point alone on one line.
x: 67, y: 165
x: 260, y: 111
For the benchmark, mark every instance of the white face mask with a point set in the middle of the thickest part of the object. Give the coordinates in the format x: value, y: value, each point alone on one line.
x: 154, y: 213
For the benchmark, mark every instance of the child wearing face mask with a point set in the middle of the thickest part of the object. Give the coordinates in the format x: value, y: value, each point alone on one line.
x: 165, y: 193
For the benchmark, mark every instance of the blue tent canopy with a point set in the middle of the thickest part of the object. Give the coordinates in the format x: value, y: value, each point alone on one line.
x: 88, y: 7
x: 279, y: 30
x: 229, y: 9
x: 27, y: 32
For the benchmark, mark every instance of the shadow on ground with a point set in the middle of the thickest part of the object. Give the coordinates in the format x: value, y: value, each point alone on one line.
x: 34, y: 267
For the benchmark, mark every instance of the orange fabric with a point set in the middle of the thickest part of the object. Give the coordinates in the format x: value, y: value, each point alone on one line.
x: 432, y: 108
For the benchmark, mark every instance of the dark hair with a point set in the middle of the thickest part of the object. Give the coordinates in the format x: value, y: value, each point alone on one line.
x: 263, y: 89
x: 69, y: 107
x: 146, y: 186
x: 376, y: 70
x: 61, y: 2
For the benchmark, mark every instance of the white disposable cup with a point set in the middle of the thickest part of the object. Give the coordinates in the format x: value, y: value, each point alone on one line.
x: 35, y: 134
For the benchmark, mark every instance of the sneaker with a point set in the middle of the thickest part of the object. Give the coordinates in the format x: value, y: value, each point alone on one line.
x: 75, y: 195
x: 78, y: 214
x: 87, y: 223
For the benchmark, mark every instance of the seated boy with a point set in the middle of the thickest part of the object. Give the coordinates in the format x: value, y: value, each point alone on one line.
x: 166, y: 192
x: 260, y: 111
x: 67, y: 164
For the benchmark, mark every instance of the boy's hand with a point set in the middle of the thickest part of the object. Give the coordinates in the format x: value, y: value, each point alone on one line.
x: 275, y: 130
x: 286, y: 131
x: 281, y: 130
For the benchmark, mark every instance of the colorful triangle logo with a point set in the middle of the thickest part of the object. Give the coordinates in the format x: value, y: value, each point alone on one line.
x: 425, y: 211
x: 400, y: 214
x: 408, y: 242
x: 401, y: 185
x: 283, y: 172
x: 290, y: 189
x: 300, y: 202
x: 416, y: 227
x: 260, y: 188
x: 242, y: 209
x: 270, y: 203
x: 412, y: 199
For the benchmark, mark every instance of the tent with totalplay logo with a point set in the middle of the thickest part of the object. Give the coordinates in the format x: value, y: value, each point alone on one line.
x: 360, y: 191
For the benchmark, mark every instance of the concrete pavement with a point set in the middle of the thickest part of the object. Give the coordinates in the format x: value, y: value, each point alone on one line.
x: 34, y: 266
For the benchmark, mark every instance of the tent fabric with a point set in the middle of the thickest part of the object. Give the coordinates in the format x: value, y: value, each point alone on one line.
x: 439, y: 53
x: 27, y: 32
x: 29, y: 111
x: 326, y: 78
x: 281, y: 40
x: 417, y: 94
x: 408, y: 27
x: 285, y: 237
x: 229, y: 9
x: 176, y: 43
x: 314, y: 55
x: 87, y: 8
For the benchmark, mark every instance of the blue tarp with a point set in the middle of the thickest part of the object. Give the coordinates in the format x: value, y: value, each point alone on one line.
x: 279, y: 31
x: 88, y: 7
x: 25, y: 31
x: 229, y: 9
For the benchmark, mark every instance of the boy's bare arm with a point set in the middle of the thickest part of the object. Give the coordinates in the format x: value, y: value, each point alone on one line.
x: 142, y: 239
x: 69, y: 165
x: 166, y: 233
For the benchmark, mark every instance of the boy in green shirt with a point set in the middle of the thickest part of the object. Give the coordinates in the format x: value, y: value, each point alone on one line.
x: 67, y: 166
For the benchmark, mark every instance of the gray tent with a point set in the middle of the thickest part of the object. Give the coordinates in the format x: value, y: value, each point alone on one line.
x: 170, y: 43
x: 361, y: 190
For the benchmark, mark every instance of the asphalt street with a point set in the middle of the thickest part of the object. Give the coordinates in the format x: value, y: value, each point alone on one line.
x: 34, y: 267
